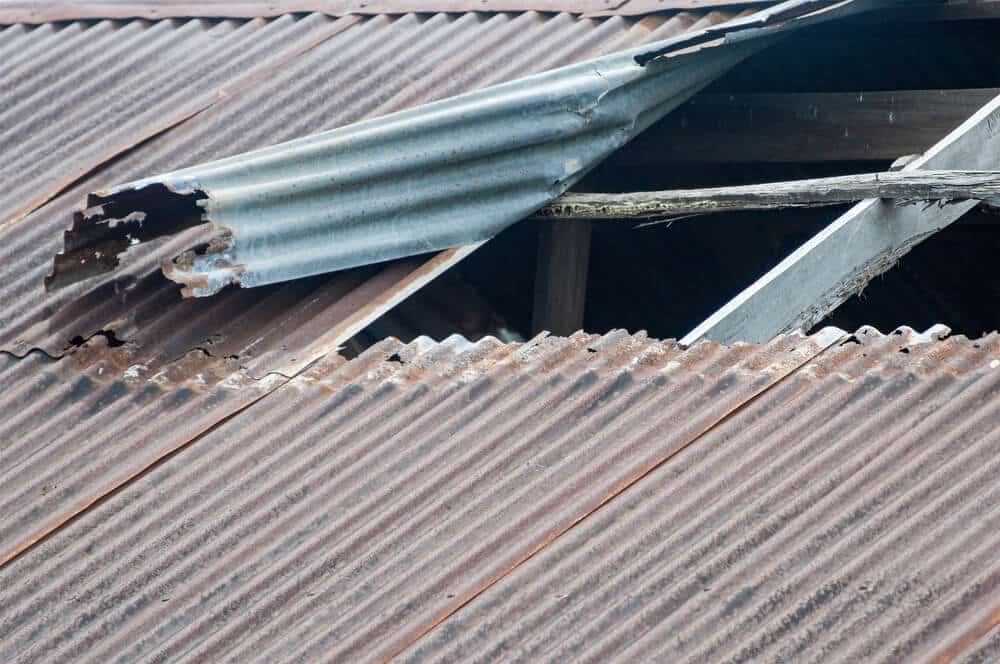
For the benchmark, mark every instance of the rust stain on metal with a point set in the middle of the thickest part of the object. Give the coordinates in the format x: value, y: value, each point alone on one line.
x: 360, y: 503
x: 418, y: 59
x: 16, y: 11
x: 808, y: 351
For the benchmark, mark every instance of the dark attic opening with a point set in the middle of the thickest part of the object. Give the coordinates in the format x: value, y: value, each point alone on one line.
x: 850, y: 98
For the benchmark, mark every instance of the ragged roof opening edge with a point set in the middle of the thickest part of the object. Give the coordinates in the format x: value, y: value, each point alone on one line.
x: 442, y: 175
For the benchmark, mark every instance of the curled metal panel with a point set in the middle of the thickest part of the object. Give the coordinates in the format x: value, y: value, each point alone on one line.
x: 377, y: 66
x: 446, y: 501
x: 449, y: 173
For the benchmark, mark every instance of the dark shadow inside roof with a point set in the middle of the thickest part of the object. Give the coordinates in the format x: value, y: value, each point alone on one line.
x: 668, y: 278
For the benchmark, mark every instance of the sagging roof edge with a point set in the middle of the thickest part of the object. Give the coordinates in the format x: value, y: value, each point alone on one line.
x: 450, y: 173
x: 29, y: 12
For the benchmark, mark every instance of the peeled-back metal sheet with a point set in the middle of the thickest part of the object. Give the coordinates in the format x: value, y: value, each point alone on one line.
x: 445, y: 174
x: 250, y: 333
x: 603, y: 498
x: 376, y: 66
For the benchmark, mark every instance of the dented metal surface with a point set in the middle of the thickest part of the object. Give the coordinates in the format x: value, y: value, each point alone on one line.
x: 605, y: 498
x: 374, y: 67
x: 450, y: 173
x: 261, y: 334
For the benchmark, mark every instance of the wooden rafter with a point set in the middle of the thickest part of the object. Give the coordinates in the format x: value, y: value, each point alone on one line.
x: 863, y: 243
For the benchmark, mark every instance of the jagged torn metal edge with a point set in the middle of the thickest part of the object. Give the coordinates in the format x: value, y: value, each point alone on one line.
x: 583, y: 113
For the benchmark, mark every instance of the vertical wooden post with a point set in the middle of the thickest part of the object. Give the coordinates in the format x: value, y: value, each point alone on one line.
x: 561, y: 276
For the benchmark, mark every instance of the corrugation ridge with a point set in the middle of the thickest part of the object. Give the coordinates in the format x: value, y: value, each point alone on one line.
x: 359, y: 611
x: 693, y: 493
x: 430, y: 491
x: 80, y: 76
x: 704, y: 494
x: 28, y: 41
x: 983, y: 651
x: 428, y: 381
x: 144, y: 49
x: 204, y: 55
x: 235, y: 112
x: 761, y: 553
x: 189, y: 480
x: 579, y: 545
x: 827, y: 552
x: 292, y: 452
x: 41, y: 62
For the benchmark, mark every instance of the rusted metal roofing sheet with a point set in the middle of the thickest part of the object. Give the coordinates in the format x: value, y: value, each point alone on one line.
x: 445, y: 174
x: 42, y: 11
x: 278, y: 329
x: 74, y: 430
x: 376, y: 66
x: 77, y: 95
x: 603, y: 498
x: 850, y: 514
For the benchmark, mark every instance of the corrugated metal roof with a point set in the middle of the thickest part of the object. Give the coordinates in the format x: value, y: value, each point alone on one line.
x: 376, y: 66
x: 80, y: 94
x: 445, y: 174
x: 41, y: 11
x: 594, y: 497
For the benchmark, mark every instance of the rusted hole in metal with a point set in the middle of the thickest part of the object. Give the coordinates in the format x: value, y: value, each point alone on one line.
x: 109, y: 336
x: 111, y: 224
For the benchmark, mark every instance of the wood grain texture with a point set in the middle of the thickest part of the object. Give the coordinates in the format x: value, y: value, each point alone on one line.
x: 903, y: 186
x: 861, y: 244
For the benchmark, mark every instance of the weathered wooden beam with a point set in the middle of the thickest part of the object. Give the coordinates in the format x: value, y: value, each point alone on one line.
x: 803, y: 127
x: 863, y: 243
x: 903, y: 186
x: 561, y: 276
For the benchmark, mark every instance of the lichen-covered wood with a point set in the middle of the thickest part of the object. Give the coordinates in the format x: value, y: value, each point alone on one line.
x: 904, y: 187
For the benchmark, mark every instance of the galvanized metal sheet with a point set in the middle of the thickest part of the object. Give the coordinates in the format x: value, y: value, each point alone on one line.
x: 608, y: 498
x: 253, y: 332
x: 380, y: 65
x: 449, y: 173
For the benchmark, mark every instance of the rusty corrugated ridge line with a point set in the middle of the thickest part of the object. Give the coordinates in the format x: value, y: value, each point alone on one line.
x: 367, y: 503
x: 283, y: 328
x: 847, y: 515
x: 43, y: 11
x: 62, y: 78
x: 450, y: 173
x: 377, y: 66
